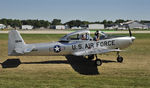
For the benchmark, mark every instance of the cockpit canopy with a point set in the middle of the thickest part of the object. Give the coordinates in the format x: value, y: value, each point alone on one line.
x: 77, y: 35
x: 80, y: 35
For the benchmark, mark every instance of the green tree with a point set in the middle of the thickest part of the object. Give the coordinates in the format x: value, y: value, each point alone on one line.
x: 36, y: 23
x: 56, y: 22
x: 119, y: 21
x: 77, y: 23
x: 145, y: 21
x: 104, y: 22
x: 4, y: 21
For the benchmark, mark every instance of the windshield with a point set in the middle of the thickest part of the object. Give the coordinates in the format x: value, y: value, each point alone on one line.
x: 84, y: 36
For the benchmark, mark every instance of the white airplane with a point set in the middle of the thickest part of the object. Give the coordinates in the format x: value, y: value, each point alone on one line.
x: 70, y: 44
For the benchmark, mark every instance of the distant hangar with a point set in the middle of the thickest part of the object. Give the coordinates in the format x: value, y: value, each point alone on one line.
x: 96, y: 26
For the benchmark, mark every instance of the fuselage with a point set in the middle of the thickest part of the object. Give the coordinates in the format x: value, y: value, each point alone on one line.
x: 68, y: 48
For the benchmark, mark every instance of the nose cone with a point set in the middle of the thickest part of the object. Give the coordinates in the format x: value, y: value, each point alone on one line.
x: 133, y: 38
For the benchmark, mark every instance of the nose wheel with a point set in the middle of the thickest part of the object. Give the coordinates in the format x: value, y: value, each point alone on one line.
x: 98, y: 62
x: 119, y: 58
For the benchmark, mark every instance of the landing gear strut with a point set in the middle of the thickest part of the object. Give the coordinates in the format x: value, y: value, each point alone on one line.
x: 119, y: 58
x: 98, y: 62
x: 90, y: 57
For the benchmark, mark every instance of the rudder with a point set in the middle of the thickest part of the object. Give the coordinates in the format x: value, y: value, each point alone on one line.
x: 14, y: 41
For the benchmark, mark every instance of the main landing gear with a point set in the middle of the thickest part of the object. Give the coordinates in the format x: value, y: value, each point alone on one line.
x: 90, y: 57
x: 119, y: 58
x: 98, y: 62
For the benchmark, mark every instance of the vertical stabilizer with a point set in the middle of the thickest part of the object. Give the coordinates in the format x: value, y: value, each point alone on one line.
x: 15, y: 42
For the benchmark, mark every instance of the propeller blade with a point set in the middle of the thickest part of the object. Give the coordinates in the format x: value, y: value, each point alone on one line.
x: 130, y: 32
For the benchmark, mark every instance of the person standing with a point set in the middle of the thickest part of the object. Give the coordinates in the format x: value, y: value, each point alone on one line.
x: 97, y: 36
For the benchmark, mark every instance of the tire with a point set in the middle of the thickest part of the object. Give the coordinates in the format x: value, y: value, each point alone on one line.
x: 98, y: 62
x: 119, y: 59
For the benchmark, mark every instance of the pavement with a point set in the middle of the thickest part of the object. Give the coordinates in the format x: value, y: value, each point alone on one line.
x: 66, y: 32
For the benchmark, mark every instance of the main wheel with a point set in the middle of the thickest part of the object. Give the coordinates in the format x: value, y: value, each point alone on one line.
x: 98, y: 62
x: 119, y: 59
x: 90, y: 57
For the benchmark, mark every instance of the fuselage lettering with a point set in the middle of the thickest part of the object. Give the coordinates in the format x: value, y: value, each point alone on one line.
x: 94, y: 45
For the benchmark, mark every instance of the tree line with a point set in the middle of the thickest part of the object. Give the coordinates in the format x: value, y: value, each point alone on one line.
x: 42, y: 23
x: 18, y: 23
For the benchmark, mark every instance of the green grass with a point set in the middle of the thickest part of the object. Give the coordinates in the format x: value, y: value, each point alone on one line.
x: 107, y: 30
x: 134, y: 72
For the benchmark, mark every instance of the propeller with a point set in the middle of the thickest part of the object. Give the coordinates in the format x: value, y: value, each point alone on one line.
x: 130, y: 32
x: 132, y: 37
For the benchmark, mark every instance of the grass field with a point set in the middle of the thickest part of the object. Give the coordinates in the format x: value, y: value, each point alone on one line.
x: 59, y: 72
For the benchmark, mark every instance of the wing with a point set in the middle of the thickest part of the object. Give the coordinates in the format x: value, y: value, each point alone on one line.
x: 94, y: 51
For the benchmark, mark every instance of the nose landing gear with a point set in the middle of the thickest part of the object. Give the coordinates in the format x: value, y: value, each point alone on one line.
x: 119, y: 58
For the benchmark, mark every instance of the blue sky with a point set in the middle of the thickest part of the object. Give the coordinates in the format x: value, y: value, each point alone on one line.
x: 90, y: 10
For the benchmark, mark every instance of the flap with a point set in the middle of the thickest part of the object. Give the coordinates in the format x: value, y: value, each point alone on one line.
x: 94, y: 51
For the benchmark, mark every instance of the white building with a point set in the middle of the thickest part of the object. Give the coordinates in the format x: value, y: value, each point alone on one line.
x: 137, y: 25
x: 75, y: 27
x: 133, y: 25
x: 148, y: 25
x: 59, y: 27
x: 27, y: 27
x: 2, y: 26
x: 96, y: 26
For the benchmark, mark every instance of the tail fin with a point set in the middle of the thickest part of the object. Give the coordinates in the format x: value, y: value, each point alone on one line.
x: 15, y: 42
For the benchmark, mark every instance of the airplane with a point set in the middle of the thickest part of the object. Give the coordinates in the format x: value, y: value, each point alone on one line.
x: 71, y: 44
